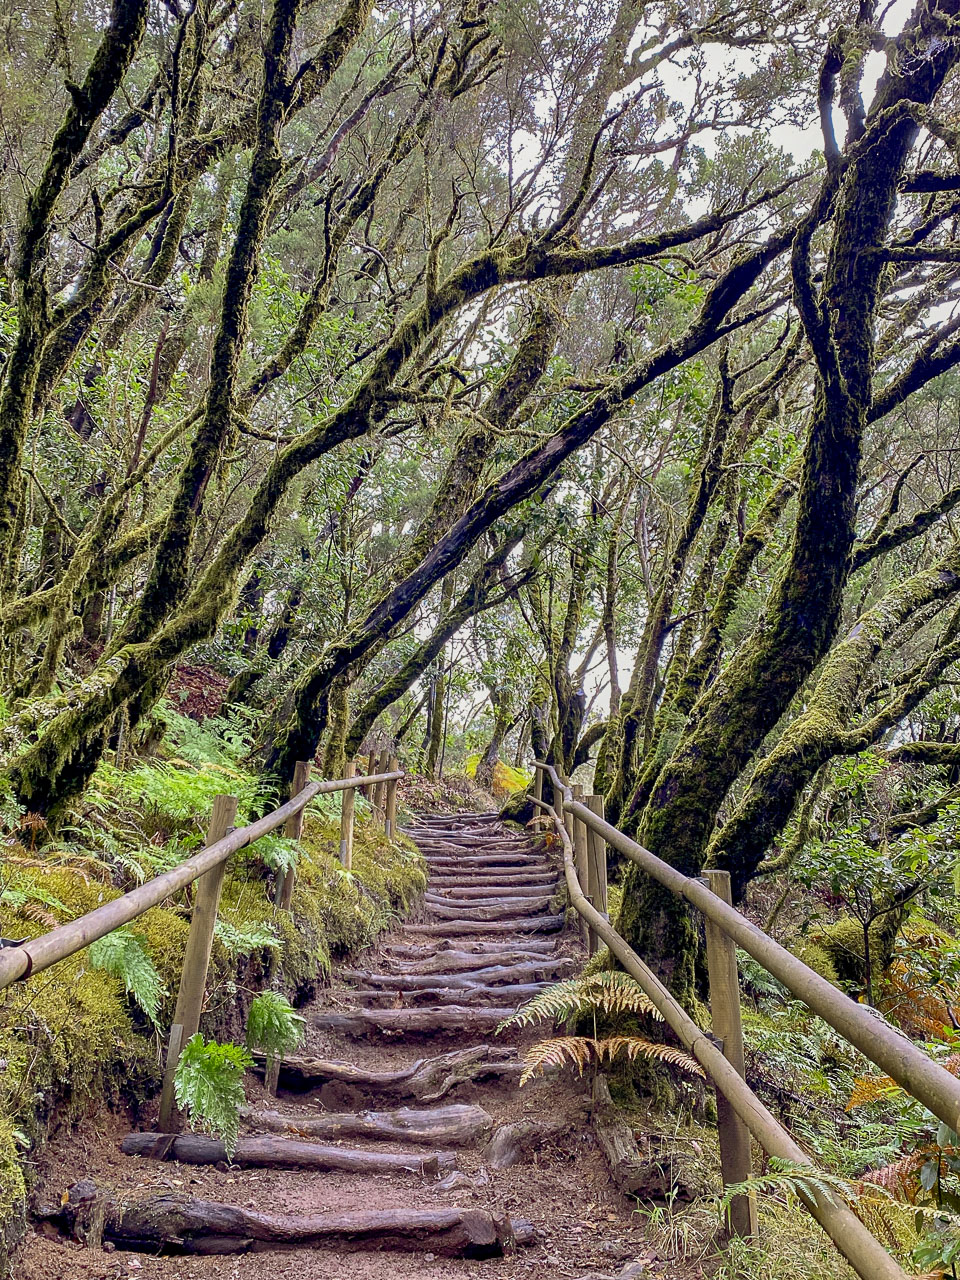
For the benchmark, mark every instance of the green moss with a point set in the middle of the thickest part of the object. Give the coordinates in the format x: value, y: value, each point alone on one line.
x: 818, y: 959
x: 842, y: 943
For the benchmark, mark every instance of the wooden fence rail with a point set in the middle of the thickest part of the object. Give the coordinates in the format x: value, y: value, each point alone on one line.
x: 721, y: 1055
x: 207, y: 868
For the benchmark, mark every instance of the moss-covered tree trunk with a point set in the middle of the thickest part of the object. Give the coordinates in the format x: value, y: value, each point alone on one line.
x: 729, y: 722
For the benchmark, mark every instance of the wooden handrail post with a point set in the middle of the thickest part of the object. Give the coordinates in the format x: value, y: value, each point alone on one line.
x: 390, y: 811
x: 347, y: 812
x: 370, y: 790
x: 293, y: 830
x: 380, y: 788
x: 596, y: 869
x: 538, y: 791
x: 196, y: 961
x: 578, y: 834
x: 735, y: 1157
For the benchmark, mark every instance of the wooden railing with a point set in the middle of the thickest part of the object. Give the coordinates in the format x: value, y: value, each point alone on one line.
x: 207, y: 868
x: 740, y: 1111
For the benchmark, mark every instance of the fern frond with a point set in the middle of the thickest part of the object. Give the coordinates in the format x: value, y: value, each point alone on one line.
x: 562, y: 1051
x: 123, y: 954
x: 793, y: 1181
x: 578, y: 1051
x: 636, y: 1047
x: 273, y: 1025
x: 608, y: 993
x: 209, y: 1085
x: 871, y: 1088
x: 244, y: 940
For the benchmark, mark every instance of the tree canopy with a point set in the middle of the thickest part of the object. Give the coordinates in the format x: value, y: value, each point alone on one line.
x: 385, y: 359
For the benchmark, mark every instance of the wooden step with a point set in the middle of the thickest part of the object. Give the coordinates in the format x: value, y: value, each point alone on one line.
x: 465, y: 928
x: 445, y: 1021
x: 270, y: 1152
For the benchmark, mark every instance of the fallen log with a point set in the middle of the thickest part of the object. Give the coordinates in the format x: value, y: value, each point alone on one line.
x: 266, y: 1152
x: 427, y: 1080
x: 457, y: 1125
x: 181, y: 1224
x: 459, y: 928
x: 489, y: 976
x: 450, y: 1020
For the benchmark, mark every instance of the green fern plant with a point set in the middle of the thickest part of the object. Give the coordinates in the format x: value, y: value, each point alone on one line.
x: 273, y: 1026
x: 793, y: 1181
x: 607, y: 994
x: 278, y: 853
x: 208, y: 1084
x: 244, y: 940
x: 124, y: 955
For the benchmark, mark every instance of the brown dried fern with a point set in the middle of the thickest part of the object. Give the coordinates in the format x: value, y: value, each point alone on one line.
x: 580, y: 1051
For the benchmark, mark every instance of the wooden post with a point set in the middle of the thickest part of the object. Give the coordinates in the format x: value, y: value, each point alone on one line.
x: 380, y: 788
x: 538, y: 792
x: 196, y: 961
x: 370, y: 791
x: 596, y: 868
x: 347, y: 811
x: 727, y: 1027
x: 578, y: 834
x: 390, y: 820
x: 293, y: 829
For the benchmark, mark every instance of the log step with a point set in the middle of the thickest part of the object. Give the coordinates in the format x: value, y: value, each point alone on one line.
x: 424, y: 953
x: 268, y: 1152
x: 490, y: 976
x: 461, y: 893
x: 426, y: 1080
x: 470, y: 994
x: 186, y: 1225
x: 448, y: 1020
x: 545, y: 880
x: 501, y: 910
x: 457, y: 1125
x: 462, y: 928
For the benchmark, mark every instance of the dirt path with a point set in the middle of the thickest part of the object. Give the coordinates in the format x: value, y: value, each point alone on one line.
x: 400, y: 1061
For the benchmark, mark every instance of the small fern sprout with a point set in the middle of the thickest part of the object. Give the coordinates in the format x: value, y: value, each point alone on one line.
x: 272, y: 1025
x: 209, y: 1086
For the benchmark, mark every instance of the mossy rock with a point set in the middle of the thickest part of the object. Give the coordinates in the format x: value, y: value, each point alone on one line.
x: 817, y: 958
x: 842, y: 943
